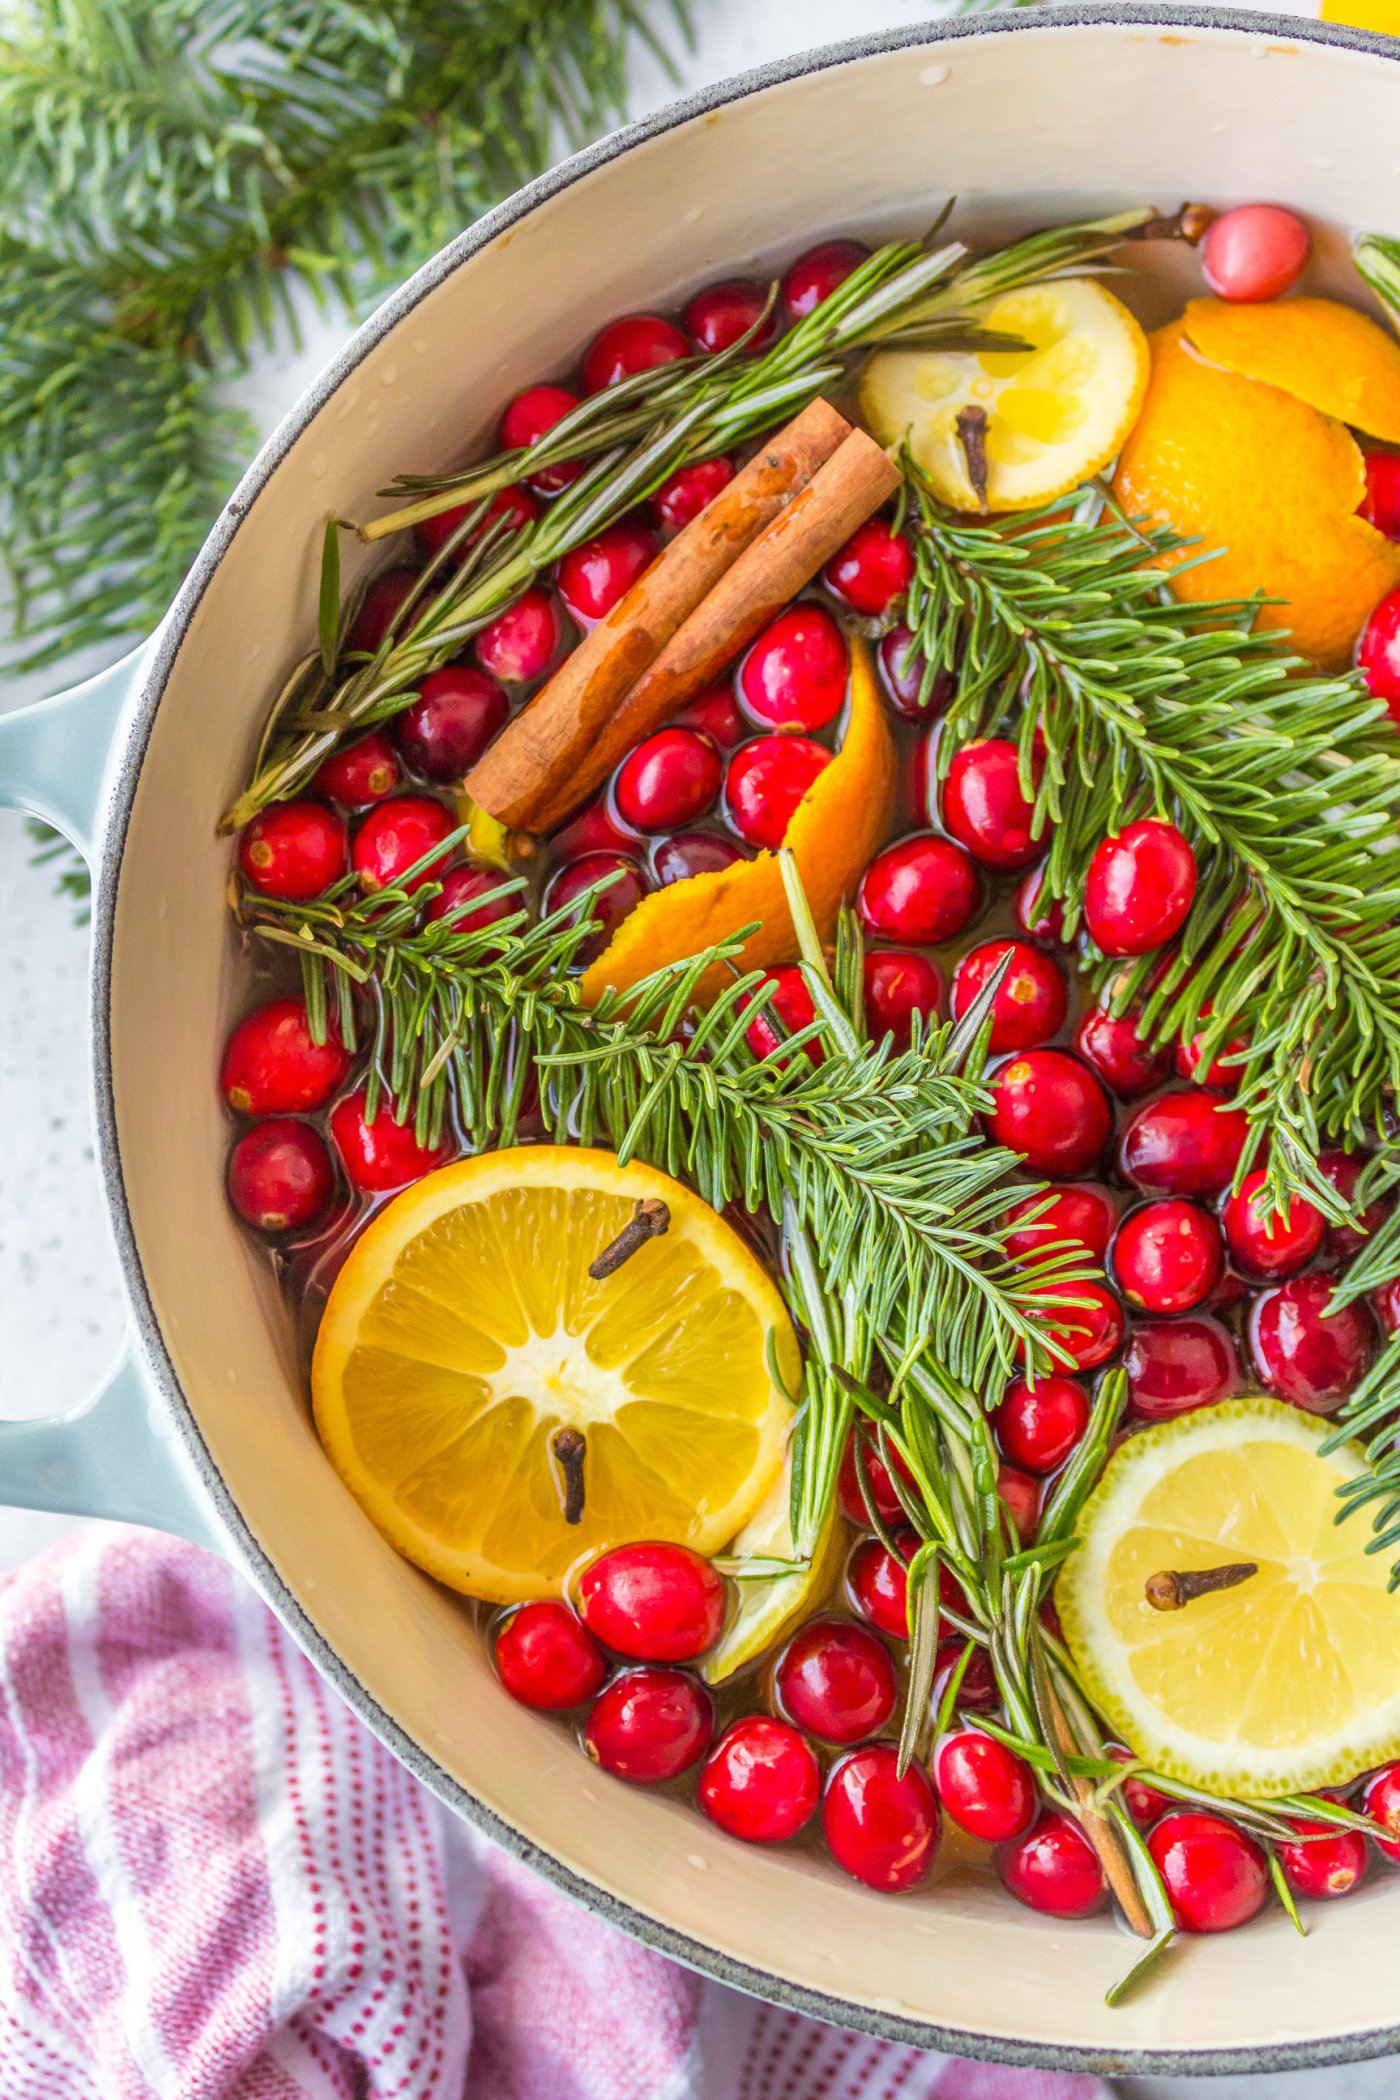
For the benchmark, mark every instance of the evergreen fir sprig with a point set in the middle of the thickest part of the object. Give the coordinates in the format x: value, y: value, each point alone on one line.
x: 1125, y: 703
x: 1377, y: 259
x: 1371, y: 1415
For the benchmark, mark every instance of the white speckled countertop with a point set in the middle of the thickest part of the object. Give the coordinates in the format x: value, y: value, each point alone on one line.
x: 60, y: 1300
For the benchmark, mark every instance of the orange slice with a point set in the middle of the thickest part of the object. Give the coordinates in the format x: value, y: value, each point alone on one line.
x: 840, y: 822
x: 1258, y: 474
x: 1329, y: 355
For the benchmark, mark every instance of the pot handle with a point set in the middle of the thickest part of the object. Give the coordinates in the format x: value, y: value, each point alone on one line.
x: 116, y: 1455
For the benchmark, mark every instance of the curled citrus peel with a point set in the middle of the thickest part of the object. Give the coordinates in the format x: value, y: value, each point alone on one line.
x: 840, y: 822
x: 1331, y: 356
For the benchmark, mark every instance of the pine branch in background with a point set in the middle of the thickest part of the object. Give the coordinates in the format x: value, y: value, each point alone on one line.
x: 1377, y: 259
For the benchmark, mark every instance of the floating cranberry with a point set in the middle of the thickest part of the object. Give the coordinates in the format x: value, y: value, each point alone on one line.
x: 379, y: 608
x: 593, y: 830
x: 272, y: 1067
x: 790, y: 1009
x: 873, y: 568
x: 922, y: 889
x: 625, y: 891
x: 1385, y: 1303
x: 594, y: 577
x: 716, y: 712
x: 1254, y: 252
x: 1031, y: 1001
x: 671, y: 778
x: 1039, y: 919
x: 764, y: 782
x: 1144, y: 1803
x: 881, y: 1828
x: 394, y: 836
x: 456, y: 715
x: 1167, y: 1256
x: 1054, y: 1869
x: 721, y: 315
x: 1343, y: 1170
x: 1052, y: 1110
x: 1306, y: 1350
x: 985, y: 808
x: 635, y: 343
x: 1325, y: 1862
x: 1087, y: 1335
x: 879, y: 1581
x: 1186, y: 1143
x: 1380, y: 1800
x: 1020, y: 1495
x: 1139, y: 888
x: 836, y: 1680
x: 817, y: 273
x: 684, y: 494
x: 528, y: 418
x: 1174, y: 1366
x: 280, y: 1177
x: 904, y: 670
x: 514, y: 507
x: 987, y: 1789
x: 357, y: 773
x: 1378, y: 652
x: 1223, y: 1072
x: 692, y: 853
x: 650, y: 1725
x: 1115, y: 1050
x: 794, y: 676
x: 653, y: 1601
x: 887, y: 1502
x: 521, y: 643
x: 460, y: 899
x: 382, y: 1154
x: 978, y: 1690
x: 898, y: 985
x: 293, y: 849
x: 1216, y: 1877
x: 1263, y: 1242
x: 1038, y: 1425
x: 1083, y: 1216
x: 546, y: 1657
x: 1381, y: 504
x: 761, y: 1782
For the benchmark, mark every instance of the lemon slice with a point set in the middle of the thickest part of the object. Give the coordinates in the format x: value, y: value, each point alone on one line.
x: 769, y: 1605
x: 1056, y: 413
x: 1291, y: 1680
x: 464, y: 1331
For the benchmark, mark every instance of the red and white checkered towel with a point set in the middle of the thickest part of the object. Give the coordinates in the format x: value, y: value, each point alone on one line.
x: 214, y: 1882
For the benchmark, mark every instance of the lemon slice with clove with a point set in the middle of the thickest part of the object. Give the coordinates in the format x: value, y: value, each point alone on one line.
x: 502, y: 1414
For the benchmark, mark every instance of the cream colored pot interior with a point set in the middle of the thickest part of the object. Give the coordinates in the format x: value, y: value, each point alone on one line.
x: 1022, y: 126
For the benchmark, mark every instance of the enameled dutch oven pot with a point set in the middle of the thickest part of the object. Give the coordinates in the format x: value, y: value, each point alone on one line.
x: 204, y: 1427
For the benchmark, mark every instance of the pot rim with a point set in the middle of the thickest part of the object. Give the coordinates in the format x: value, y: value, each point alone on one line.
x: 154, y: 675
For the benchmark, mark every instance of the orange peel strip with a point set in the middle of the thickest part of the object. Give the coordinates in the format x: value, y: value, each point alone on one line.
x: 1337, y: 360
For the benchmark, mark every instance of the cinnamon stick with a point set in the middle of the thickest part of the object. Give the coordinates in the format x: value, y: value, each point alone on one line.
x: 545, y: 752
x: 1107, y: 1844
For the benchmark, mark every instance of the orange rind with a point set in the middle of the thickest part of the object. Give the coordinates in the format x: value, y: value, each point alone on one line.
x: 1336, y: 359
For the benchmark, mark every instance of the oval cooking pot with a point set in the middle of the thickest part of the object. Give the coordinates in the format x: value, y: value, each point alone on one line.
x: 203, y: 1427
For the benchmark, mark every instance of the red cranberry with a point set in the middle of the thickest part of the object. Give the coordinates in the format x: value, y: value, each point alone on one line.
x: 904, y: 670
x: 1326, y: 1862
x: 1343, y: 1170
x: 653, y: 1601
x: 1087, y: 1335
x: 594, y: 577
x: 836, y: 1680
x: 978, y: 1690
x: 1176, y: 1365
x: 280, y: 1176
x: 611, y: 906
x: 1167, y: 1256
x: 521, y: 643
x: 1039, y: 918
x: 1223, y: 1071
x: 379, y: 609
x: 1186, y: 1143
x: 1084, y: 1216
x: 293, y: 849
x: 684, y: 494
x: 764, y: 782
x: 987, y: 1789
x: 1262, y: 1241
x: 1381, y: 504
x: 462, y: 887
x: 879, y: 1581
x: 1052, y: 1110
x: 635, y: 343
x: 1119, y: 1054
x: 514, y: 507
x: 761, y: 1782
x: 394, y: 836
x: 1144, y: 1803
x: 671, y: 778
x: 1021, y: 1496
x: 1054, y: 1869
x: 984, y: 807
x: 650, y: 1725
x: 1254, y: 252
x: 1306, y: 1350
x: 593, y: 830
x: 1029, y: 1006
x: 271, y: 1066
x: 790, y: 1008
x: 382, y: 1154
x: 873, y: 568
x: 716, y: 712
x: 1378, y: 652
x: 922, y: 890
x: 1385, y: 1303
x: 882, y: 1829
x: 692, y: 853
x: 358, y: 773
x: 721, y: 315
x: 1037, y: 1426
x: 1216, y: 1876
x: 794, y: 676
x: 898, y: 985
x: 546, y: 1657
x: 887, y: 1502
x: 817, y: 273
x: 1139, y: 888
x: 528, y: 418
x: 1380, y: 1800
x: 456, y: 715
